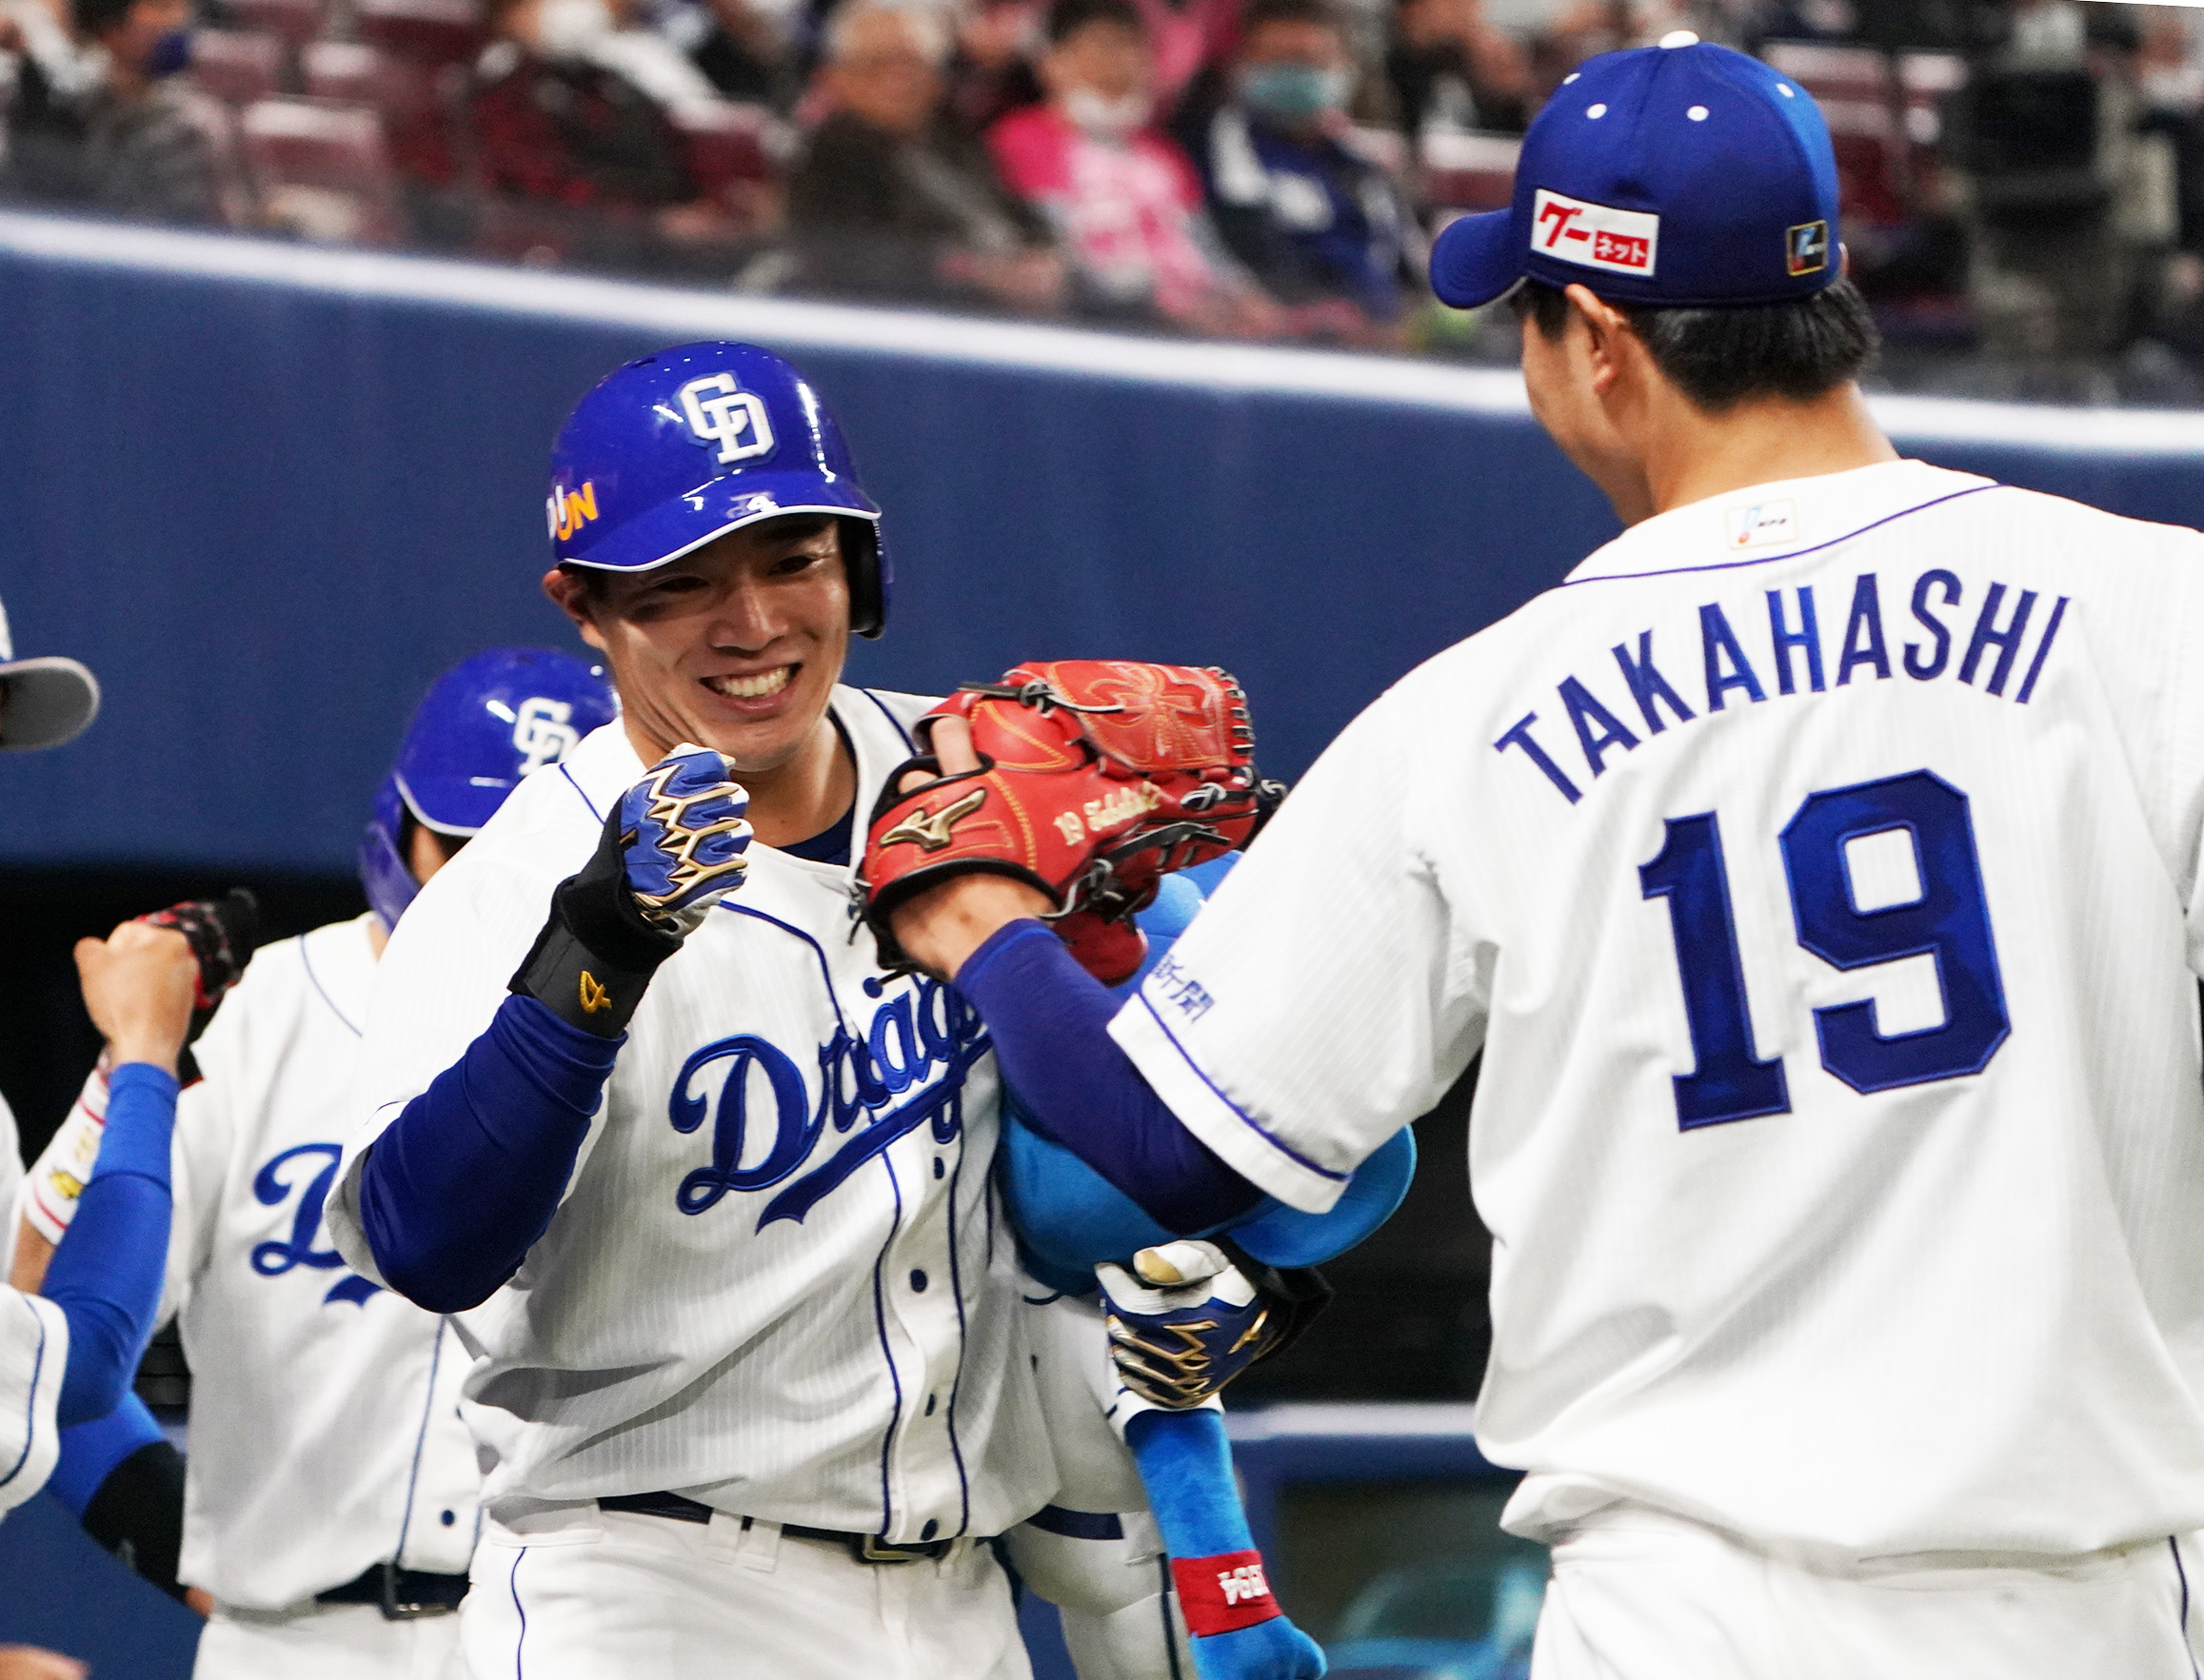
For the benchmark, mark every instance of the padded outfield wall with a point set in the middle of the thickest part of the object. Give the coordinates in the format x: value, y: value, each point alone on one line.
x: 268, y: 491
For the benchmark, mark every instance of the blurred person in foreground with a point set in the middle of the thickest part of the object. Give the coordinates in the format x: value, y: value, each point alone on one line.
x: 1451, y: 69
x: 68, y: 1352
x: 329, y: 1507
x: 115, y: 130
x: 1319, y: 226
x: 1123, y: 198
x: 888, y: 201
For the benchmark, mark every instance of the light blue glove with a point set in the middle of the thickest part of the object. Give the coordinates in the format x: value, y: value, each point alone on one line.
x: 685, y: 837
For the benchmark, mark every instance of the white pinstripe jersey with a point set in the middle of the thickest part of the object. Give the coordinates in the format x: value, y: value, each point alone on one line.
x: 1818, y: 872
x: 778, y: 1282
x: 326, y: 1433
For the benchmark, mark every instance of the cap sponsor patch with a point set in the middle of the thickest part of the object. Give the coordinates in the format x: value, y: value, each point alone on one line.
x: 1807, y: 247
x: 1595, y: 235
x: 1764, y: 524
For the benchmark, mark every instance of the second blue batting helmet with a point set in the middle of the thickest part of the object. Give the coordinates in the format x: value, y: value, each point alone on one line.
x: 675, y: 450
x: 482, y: 726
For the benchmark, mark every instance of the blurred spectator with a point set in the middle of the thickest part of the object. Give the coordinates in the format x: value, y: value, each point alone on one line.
x: 1317, y: 223
x: 890, y: 201
x: 556, y: 122
x: 1123, y: 198
x: 742, y: 55
x: 992, y: 72
x: 1453, y: 70
x: 134, y: 141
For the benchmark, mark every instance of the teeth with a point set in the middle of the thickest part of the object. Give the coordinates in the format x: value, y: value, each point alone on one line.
x: 751, y: 687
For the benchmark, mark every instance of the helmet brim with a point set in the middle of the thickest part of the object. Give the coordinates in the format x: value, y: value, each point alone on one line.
x: 685, y: 523
x: 49, y: 701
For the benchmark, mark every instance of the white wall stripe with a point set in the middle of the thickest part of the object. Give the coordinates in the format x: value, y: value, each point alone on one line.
x: 792, y: 325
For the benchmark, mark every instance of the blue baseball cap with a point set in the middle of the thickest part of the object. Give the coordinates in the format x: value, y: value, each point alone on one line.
x: 1683, y: 176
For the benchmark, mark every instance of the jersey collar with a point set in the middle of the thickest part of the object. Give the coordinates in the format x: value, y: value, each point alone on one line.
x: 1774, y: 522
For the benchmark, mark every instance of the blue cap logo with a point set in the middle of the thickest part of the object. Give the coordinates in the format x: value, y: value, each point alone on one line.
x: 721, y: 412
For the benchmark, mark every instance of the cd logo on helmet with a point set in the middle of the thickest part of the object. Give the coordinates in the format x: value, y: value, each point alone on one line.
x: 542, y: 733
x: 721, y: 412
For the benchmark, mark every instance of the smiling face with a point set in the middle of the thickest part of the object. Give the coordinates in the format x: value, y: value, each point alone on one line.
x: 736, y: 646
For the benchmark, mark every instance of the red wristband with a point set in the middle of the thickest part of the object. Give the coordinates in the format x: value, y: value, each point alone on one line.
x: 1223, y: 1593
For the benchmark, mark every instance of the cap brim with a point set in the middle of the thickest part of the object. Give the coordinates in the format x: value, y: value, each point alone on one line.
x: 1476, y: 259
x: 714, y: 508
x: 47, y: 702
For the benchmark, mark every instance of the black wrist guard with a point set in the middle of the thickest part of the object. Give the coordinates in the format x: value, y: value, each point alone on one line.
x: 138, y: 1515
x: 596, y: 955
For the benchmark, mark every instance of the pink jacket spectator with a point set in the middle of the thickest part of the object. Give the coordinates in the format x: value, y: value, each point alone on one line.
x: 1129, y: 212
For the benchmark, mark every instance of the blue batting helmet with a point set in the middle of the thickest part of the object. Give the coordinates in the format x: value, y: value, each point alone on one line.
x: 675, y: 450
x: 482, y: 726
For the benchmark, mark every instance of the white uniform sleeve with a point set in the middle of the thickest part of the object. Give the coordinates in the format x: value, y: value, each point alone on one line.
x: 444, y: 973
x: 34, y: 1355
x: 47, y: 1199
x: 1330, y: 992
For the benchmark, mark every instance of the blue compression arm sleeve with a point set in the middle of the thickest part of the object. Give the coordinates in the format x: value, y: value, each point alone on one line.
x: 468, y: 1177
x: 105, y: 1275
x: 1049, y: 1020
x: 1185, y: 1465
x: 90, y: 1450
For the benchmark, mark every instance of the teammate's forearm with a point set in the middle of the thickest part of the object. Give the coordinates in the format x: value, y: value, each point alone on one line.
x: 466, y: 1179
x: 1049, y: 1020
x: 1185, y: 1464
x: 107, y: 1273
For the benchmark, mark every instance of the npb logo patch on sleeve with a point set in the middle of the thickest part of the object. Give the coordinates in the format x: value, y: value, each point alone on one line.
x: 1595, y: 235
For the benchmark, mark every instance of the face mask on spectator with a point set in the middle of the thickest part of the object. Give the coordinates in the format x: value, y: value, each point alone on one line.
x: 1293, y: 92
x: 171, y: 53
x: 1106, y: 118
x: 569, y: 25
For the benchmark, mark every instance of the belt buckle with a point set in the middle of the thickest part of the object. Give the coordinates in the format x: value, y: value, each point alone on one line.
x: 386, y: 1578
x: 873, y: 1549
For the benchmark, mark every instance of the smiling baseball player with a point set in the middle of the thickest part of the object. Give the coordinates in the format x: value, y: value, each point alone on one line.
x: 707, y: 1181
x: 1818, y: 871
x: 329, y: 1496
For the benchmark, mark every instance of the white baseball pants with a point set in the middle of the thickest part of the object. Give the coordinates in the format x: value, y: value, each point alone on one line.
x: 615, y: 1595
x: 326, y: 1642
x: 1643, y: 1596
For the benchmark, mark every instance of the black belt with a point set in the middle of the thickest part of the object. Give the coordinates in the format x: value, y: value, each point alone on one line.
x: 864, y: 1548
x: 403, y: 1595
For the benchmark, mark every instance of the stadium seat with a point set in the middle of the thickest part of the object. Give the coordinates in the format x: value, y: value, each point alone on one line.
x: 237, y: 66
x: 423, y: 31
x: 322, y: 170
x: 296, y: 21
x: 1469, y: 171
x: 414, y: 98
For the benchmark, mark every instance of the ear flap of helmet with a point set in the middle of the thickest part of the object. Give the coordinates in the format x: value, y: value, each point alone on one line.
x: 864, y: 560
x: 383, y: 874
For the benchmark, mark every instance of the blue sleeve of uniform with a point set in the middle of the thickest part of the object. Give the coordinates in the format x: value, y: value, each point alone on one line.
x: 463, y: 1183
x: 105, y: 1275
x: 90, y: 1450
x: 1049, y: 1020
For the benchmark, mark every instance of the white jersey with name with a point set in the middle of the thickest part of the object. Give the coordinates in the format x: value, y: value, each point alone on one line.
x: 1818, y: 871
x: 33, y: 1352
x: 779, y: 1281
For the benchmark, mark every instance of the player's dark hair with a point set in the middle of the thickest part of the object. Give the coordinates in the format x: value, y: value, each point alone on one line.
x: 1719, y: 358
x: 1288, y: 12
x: 1068, y: 17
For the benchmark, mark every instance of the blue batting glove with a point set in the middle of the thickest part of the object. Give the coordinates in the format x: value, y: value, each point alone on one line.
x: 1275, y: 1650
x: 1187, y: 1325
x: 683, y: 837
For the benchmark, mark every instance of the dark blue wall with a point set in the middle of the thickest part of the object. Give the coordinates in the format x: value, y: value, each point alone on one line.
x: 267, y: 514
